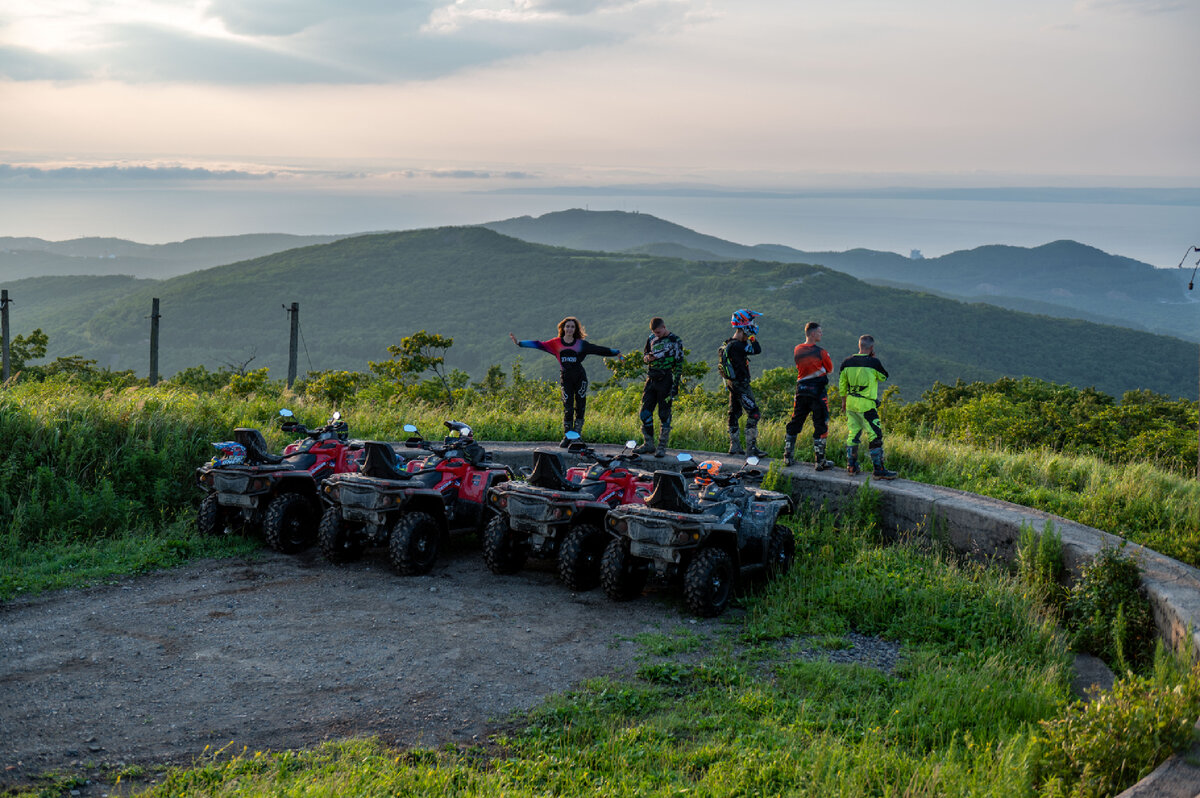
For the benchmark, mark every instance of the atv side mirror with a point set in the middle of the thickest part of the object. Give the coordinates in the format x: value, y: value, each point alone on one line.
x: 410, y: 428
x: 286, y: 413
x: 752, y: 460
x: 683, y: 457
x: 572, y: 435
x: 337, y: 415
x: 630, y: 444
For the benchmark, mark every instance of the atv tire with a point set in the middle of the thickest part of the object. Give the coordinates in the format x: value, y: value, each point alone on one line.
x: 621, y: 575
x: 291, y: 523
x: 413, y: 544
x: 338, y: 542
x: 781, y: 551
x: 708, y: 583
x: 579, y: 558
x: 501, y: 551
x: 212, y: 519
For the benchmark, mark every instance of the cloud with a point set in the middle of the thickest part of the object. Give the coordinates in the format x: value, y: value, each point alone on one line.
x: 309, y: 41
x: 113, y: 173
x: 1135, y: 6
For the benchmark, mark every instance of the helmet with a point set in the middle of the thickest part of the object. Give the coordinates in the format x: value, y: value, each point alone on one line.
x: 744, y: 320
x: 706, y: 471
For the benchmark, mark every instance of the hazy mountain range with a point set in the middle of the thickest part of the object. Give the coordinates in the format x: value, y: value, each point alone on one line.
x: 358, y: 295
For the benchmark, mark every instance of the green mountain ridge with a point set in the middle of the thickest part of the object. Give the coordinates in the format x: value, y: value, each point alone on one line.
x: 1066, y: 278
x: 359, y: 295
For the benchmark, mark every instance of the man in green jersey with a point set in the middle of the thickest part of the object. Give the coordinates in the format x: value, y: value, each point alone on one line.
x: 858, y: 383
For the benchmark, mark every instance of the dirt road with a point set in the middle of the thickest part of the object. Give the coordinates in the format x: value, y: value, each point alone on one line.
x: 285, y: 651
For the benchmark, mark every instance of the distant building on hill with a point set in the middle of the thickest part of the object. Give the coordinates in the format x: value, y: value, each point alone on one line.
x: 916, y: 255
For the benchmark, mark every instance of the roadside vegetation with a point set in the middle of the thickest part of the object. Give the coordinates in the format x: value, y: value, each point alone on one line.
x: 101, y: 485
x: 977, y: 702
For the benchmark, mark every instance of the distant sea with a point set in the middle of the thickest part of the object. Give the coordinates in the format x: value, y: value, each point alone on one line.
x: 1142, y: 224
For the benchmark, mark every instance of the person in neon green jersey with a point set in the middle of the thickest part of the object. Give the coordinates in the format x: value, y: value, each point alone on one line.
x: 858, y: 383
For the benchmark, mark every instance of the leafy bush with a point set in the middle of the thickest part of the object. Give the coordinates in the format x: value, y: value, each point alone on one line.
x: 1108, y: 612
x: 1102, y: 747
x: 245, y: 384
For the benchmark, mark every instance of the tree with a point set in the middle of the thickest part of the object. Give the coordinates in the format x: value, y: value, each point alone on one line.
x: 413, y: 357
x: 27, y: 347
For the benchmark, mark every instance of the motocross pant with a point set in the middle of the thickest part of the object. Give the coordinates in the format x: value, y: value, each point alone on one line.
x: 803, y: 405
x: 741, y: 399
x: 574, y: 397
x: 658, y: 392
x: 860, y: 420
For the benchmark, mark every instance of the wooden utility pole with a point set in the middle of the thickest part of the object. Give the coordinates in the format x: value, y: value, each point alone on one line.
x: 4, y: 331
x: 1191, y: 284
x: 154, y: 317
x: 294, y: 312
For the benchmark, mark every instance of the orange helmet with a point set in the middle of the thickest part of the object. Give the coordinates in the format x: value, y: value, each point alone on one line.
x: 706, y: 471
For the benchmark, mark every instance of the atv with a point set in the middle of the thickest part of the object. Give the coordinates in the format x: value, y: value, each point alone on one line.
x: 702, y: 538
x: 409, y: 506
x: 248, y: 487
x: 560, y: 512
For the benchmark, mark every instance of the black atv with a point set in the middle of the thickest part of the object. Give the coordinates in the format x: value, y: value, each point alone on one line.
x: 559, y: 513
x: 702, y: 538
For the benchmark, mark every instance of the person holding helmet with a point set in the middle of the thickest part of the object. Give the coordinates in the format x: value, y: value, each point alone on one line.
x: 570, y: 348
x: 663, y: 356
x: 858, y: 383
x: 733, y: 362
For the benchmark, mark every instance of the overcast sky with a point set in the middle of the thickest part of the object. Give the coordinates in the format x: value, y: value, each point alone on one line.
x: 736, y: 94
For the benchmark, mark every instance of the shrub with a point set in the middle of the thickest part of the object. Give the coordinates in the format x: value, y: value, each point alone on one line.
x: 1108, y: 613
x: 1102, y: 747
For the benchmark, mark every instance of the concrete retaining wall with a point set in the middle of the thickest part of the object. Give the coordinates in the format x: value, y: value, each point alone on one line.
x: 975, y: 525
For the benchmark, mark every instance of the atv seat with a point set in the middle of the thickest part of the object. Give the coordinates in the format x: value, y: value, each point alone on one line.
x: 549, y: 472
x: 670, y: 493
x: 256, y: 446
x: 380, y: 462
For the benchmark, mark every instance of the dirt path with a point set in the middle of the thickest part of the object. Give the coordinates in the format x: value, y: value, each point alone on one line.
x: 284, y: 651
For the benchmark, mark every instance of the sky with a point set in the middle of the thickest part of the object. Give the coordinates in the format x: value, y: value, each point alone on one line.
x: 114, y: 112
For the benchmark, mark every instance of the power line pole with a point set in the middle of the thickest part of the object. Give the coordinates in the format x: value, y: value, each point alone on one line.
x: 154, y: 317
x: 294, y: 313
x: 4, y: 331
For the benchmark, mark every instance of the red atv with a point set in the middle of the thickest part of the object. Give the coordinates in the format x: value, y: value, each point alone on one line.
x: 560, y: 512
x: 410, y: 507
x: 248, y: 486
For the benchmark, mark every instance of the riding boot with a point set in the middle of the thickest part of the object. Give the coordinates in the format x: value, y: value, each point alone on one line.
x: 664, y: 435
x: 647, y: 443
x: 735, y: 441
x: 852, y: 460
x: 752, y: 449
x: 789, y: 450
x: 565, y: 442
x: 880, y: 471
x: 819, y: 455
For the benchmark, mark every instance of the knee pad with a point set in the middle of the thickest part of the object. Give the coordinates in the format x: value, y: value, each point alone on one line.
x: 647, y: 417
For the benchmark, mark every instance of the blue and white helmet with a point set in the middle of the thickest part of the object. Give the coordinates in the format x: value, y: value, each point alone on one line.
x: 744, y: 320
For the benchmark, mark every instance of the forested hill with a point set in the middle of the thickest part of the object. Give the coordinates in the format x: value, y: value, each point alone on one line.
x: 1061, y: 278
x: 33, y: 257
x: 359, y: 295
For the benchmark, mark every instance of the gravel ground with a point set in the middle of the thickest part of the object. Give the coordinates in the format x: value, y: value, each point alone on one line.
x: 286, y: 651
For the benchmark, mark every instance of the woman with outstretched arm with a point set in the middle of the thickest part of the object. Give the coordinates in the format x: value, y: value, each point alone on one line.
x: 570, y: 347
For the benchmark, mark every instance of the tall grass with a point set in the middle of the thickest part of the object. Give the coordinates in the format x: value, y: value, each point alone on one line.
x: 84, y: 467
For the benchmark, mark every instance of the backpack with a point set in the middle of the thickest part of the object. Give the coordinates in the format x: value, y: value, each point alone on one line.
x: 724, y: 367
